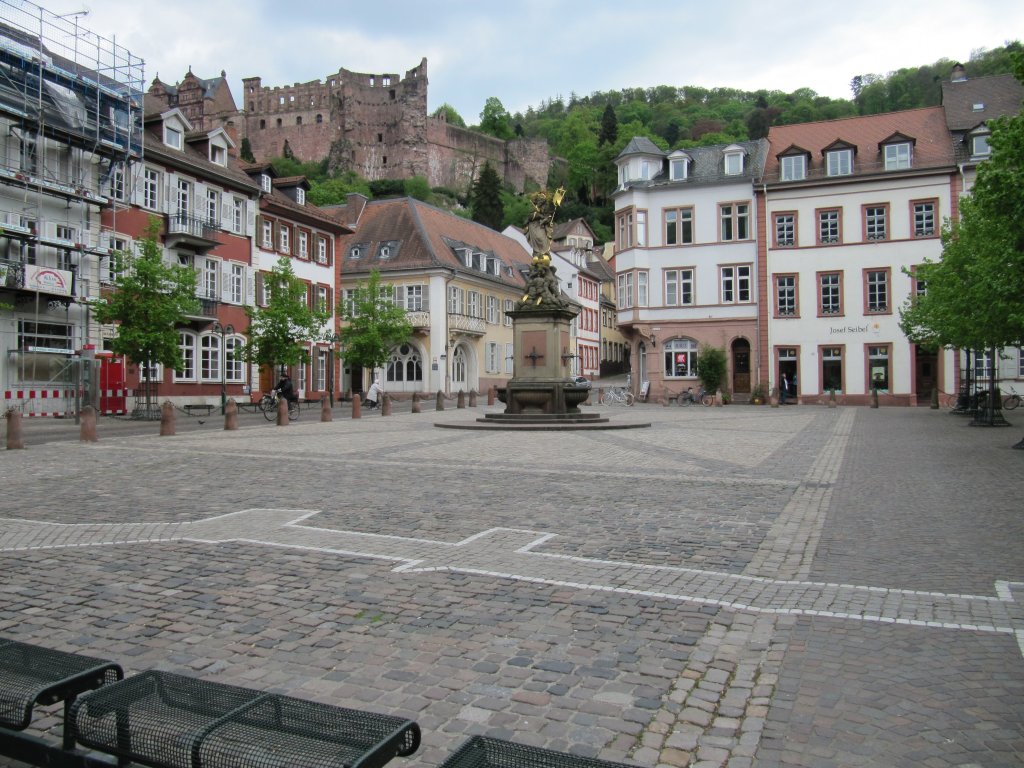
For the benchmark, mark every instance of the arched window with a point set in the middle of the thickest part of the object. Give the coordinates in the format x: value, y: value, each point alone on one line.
x: 209, y: 357
x: 233, y: 358
x: 405, y: 365
x: 187, y: 347
x: 680, y: 358
x: 459, y: 367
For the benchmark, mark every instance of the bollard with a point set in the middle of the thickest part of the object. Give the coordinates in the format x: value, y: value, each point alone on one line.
x: 326, y: 414
x: 385, y: 406
x: 440, y: 400
x: 472, y: 398
x: 718, y: 398
x: 600, y: 396
x: 357, y: 407
x: 773, y: 397
x: 15, y: 441
x: 461, y: 401
x: 87, y: 425
x: 935, y: 399
x: 282, y: 412
x: 416, y: 402
x: 874, y: 397
x: 230, y: 415
x: 492, y: 394
x: 168, y: 425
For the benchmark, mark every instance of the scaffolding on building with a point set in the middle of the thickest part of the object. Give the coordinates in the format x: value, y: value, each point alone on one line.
x: 71, y: 108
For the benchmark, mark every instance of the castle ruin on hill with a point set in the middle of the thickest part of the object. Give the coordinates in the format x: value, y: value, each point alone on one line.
x: 374, y: 124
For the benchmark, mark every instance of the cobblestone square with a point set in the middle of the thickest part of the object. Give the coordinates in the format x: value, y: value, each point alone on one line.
x: 736, y: 586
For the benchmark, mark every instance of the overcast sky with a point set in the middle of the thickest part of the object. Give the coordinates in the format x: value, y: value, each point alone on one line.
x: 525, y: 52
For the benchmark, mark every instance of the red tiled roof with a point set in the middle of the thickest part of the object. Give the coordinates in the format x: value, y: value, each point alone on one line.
x: 424, y: 234
x: 933, y: 147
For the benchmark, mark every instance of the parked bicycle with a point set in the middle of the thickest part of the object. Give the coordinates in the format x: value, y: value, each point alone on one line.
x: 618, y: 395
x: 689, y: 397
x: 1011, y: 401
x: 268, y: 404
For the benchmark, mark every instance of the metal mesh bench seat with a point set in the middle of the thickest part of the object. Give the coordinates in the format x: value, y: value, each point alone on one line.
x: 485, y: 752
x: 31, y: 675
x: 171, y: 721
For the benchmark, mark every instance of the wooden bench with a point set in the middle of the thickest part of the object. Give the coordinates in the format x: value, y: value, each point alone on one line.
x: 165, y: 720
x: 193, y: 409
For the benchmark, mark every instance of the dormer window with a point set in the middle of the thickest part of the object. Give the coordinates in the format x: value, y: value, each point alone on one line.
x: 839, y: 162
x: 172, y: 137
x: 793, y: 168
x: 978, y: 107
x: 980, y: 146
x: 733, y: 161
x: 679, y: 168
x: 218, y: 155
x: 897, y: 156
x: 355, y: 252
x: 265, y: 182
x: 300, y: 196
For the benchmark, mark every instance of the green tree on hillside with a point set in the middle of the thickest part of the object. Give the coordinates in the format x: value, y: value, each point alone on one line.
x: 609, y: 126
x: 485, y: 198
x: 495, y: 121
x: 447, y: 111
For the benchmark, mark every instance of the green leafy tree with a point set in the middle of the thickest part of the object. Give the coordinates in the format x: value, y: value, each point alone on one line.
x: 149, y: 300
x: 245, y: 151
x: 419, y: 188
x: 450, y: 115
x: 495, y: 121
x: 372, y: 324
x: 279, y: 331
x: 711, y: 366
x: 485, y: 198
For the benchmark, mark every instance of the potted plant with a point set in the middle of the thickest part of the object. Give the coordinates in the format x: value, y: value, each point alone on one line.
x: 757, y: 394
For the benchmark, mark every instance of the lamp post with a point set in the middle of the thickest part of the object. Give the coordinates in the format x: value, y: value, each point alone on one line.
x: 223, y: 331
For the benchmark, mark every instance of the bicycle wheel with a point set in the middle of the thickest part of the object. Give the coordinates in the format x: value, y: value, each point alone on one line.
x: 682, y: 400
x: 629, y: 398
x: 269, y: 407
x: 1011, y: 402
x: 293, y: 410
x: 707, y: 399
x: 608, y: 398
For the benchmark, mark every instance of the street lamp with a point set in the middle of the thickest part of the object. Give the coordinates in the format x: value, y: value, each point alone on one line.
x: 223, y: 331
x: 334, y: 338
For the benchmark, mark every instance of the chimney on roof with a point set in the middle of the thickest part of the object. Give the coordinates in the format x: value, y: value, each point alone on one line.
x: 959, y: 74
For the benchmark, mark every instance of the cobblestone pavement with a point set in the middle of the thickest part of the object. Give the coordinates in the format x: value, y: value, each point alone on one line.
x: 734, y: 586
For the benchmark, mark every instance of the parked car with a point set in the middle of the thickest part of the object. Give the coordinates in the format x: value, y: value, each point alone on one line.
x: 582, y: 381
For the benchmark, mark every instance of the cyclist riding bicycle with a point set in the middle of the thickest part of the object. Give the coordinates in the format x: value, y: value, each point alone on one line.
x: 286, y: 390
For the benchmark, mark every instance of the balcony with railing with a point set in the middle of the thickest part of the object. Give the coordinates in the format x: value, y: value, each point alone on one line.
x: 193, y: 231
x: 466, y: 324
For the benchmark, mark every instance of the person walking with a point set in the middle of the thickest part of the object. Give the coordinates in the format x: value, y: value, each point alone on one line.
x: 373, y: 394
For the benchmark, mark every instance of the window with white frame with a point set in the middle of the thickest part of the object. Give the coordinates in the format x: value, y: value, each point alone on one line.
x: 111, y: 266
x: 897, y: 156
x: 625, y: 290
x: 830, y: 293
x: 348, y: 300
x: 151, y: 189
x: 828, y: 227
x: 875, y: 224
x: 184, y: 197
x: 284, y: 239
x: 237, y: 214
x: 924, y: 219
x: 679, y: 226
x: 1020, y: 362
x: 785, y: 295
x: 301, y: 370
x: 265, y: 183
x: 982, y: 364
x: 980, y: 146
x: 410, y: 297
x: 211, y: 269
x: 218, y: 155
x: 213, y: 207
x: 641, y: 289
x: 509, y: 306
x: 492, y: 310
x: 736, y: 284
x: 268, y: 234
x: 733, y: 163
x: 679, y: 168
x: 233, y: 361
x: 641, y: 228
x: 678, y: 287
x: 785, y: 230
x: 117, y: 182
x: 303, y: 245
x: 405, y: 365
x: 877, y: 290
x: 237, y: 283
x: 300, y: 196
x: 493, y: 357
x: 209, y: 357
x: 455, y: 296
x: 624, y: 225
x: 839, y: 162
x: 680, y: 356
x: 322, y: 299
x: 320, y: 376
x: 321, y: 250
x: 735, y: 221
x: 187, y: 351
x: 509, y: 357
x: 473, y: 308
x: 172, y: 137
x: 793, y: 168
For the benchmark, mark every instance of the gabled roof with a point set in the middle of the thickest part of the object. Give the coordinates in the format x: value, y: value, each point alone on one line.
x: 425, y: 237
x: 564, y: 229
x: 996, y: 95
x: 195, y: 162
x: 926, y: 127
